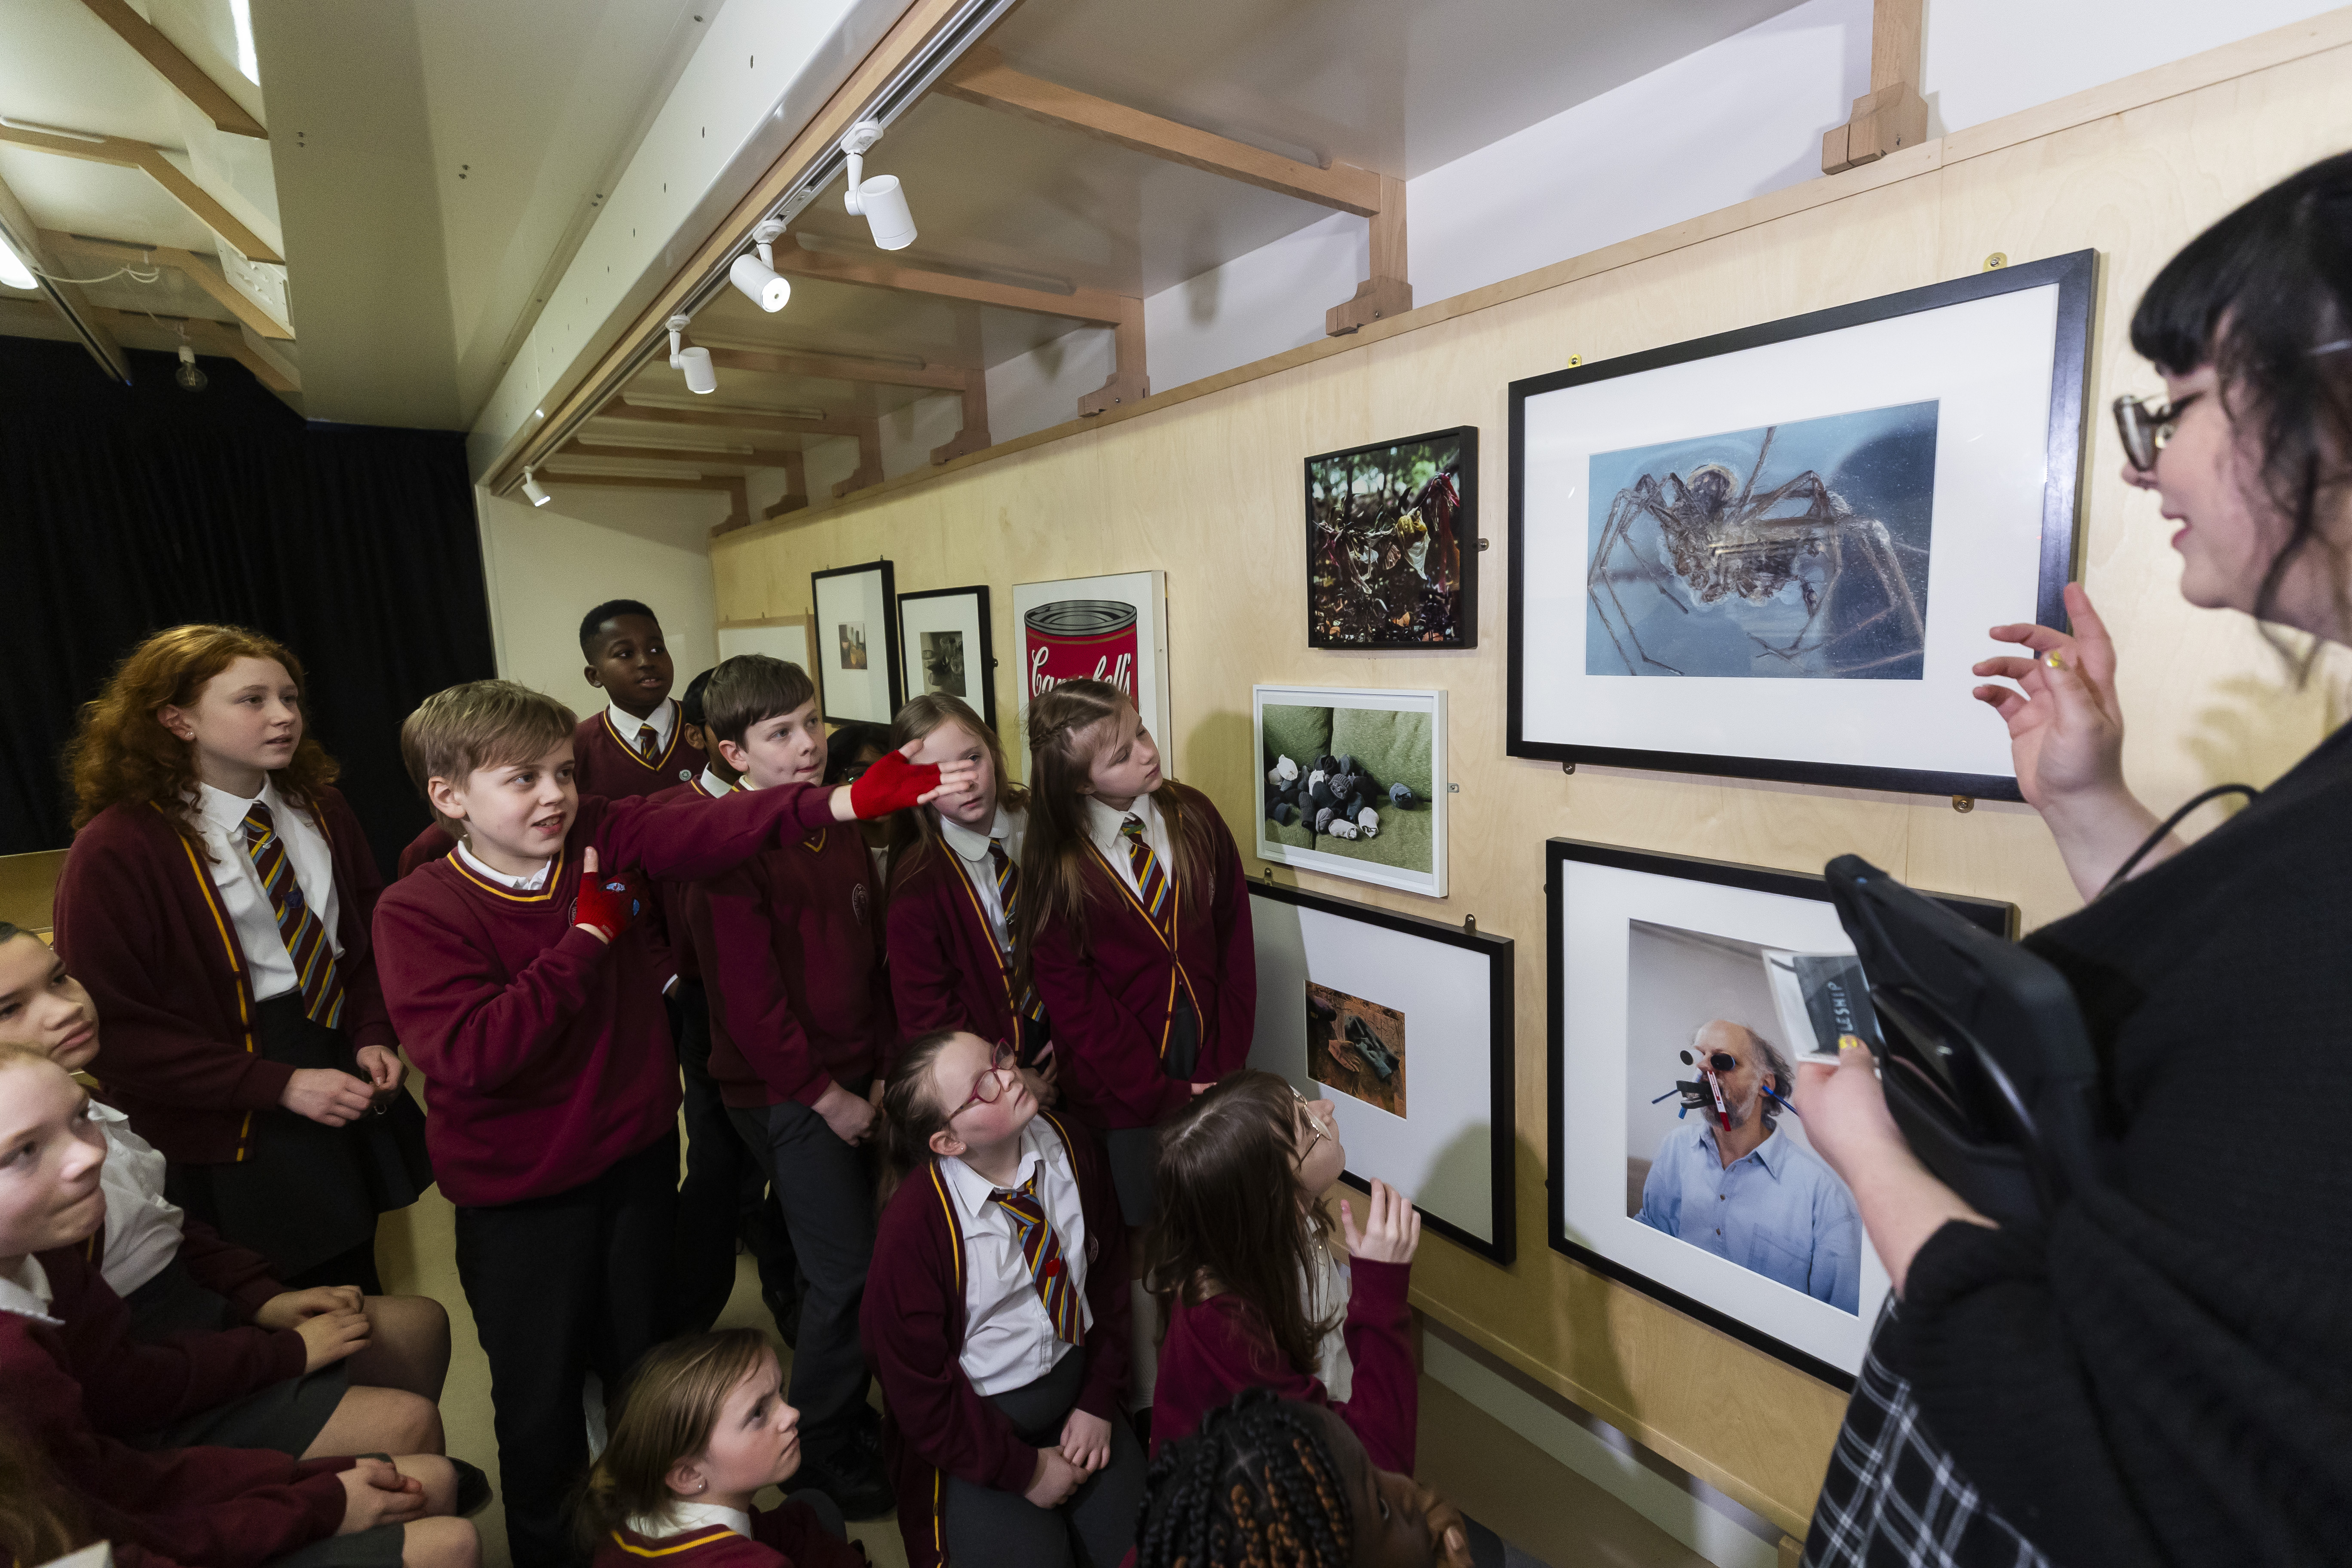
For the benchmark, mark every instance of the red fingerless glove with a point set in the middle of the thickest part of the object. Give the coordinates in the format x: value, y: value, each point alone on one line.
x: 609, y: 904
x: 892, y: 783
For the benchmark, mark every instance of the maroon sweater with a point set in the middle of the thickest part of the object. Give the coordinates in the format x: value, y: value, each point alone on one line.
x: 140, y: 923
x: 1112, y: 1007
x: 243, y: 1279
x: 912, y: 1322
x: 428, y: 846
x: 946, y: 969
x: 790, y: 947
x: 676, y: 932
x: 785, y: 1536
x: 608, y: 764
x: 546, y: 1053
x: 73, y: 1388
x: 1220, y: 1347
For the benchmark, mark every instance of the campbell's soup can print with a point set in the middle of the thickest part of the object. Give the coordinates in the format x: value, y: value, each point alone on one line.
x: 1079, y: 639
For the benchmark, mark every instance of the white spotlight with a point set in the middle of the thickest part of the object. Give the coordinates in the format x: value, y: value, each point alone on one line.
x: 532, y: 490
x: 696, y: 362
x: 881, y: 200
x: 756, y: 275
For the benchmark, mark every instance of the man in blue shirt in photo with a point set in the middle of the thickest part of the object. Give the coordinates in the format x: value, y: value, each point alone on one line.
x: 1763, y: 1201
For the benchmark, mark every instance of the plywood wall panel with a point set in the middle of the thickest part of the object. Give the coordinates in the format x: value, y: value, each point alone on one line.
x: 1209, y: 490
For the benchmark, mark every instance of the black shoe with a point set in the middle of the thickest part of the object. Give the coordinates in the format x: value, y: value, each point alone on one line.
x: 473, y: 1490
x: 787, y: 1314
x: 837, y: 1467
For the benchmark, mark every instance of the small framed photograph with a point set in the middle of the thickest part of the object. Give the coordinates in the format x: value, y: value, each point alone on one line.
x: 1095, y: 629
x: 1772, y: 554
x: 857, y: 642
x: 1351, y: 782
x: 1679, y: 1164
x: 1405, y: 1025
x: 1392, y: 543
x: 945, y: 646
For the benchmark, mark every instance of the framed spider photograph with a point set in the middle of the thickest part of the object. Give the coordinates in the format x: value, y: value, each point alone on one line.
x: 1392, y: 543
x: 1774, y: 552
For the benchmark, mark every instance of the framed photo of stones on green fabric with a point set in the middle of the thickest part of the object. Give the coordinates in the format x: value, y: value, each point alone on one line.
x: 1352, y: 783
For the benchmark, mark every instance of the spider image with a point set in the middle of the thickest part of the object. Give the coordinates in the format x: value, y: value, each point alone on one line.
x: 1828, y: 588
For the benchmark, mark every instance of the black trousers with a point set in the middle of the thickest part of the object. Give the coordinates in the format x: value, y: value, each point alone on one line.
x: 825, y: 1189
x: 1094, y: 1528
x: 563, y: 1286
x: 725, y: 1192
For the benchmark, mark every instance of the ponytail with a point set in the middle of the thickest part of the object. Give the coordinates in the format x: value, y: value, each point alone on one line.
x: 911, y: 1111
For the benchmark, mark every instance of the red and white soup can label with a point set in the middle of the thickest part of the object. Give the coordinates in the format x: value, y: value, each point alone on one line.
x: 1079, y: 639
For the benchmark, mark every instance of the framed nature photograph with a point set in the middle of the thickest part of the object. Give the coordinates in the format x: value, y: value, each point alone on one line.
x: 1405, y: 1025
x: 1095, y: 629
x: 1774, y: 552
x: 855, y: 640
x: 945, y: 646
x: 1351, y: 782
x: 1392, y: 543
x: 1679, y: 1166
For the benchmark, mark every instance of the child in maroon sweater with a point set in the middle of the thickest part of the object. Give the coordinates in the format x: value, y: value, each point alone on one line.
x: 801, y: 1027
x: 531, y: 999
x: 1252, y: 1293
x: 75, y: 1381
x: 996, y: 1319
x: 705, y: 1427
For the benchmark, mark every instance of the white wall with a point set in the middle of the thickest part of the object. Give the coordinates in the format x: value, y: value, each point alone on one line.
x: 548, y: 567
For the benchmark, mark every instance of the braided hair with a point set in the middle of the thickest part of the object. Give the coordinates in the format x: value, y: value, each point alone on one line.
x: 1256, y: 1486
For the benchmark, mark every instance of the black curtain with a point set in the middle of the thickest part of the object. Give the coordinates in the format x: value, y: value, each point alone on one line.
x: 124, y: 510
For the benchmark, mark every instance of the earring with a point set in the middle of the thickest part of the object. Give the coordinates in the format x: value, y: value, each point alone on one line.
x: 702, y: 1486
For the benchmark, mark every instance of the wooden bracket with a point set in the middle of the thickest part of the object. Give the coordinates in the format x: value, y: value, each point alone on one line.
x: 1128, y: 381
x: 796, y: 497
x: 869, y: 458
x: 1385, y: 292
x: 1892, y: 114
x: 973, y: 437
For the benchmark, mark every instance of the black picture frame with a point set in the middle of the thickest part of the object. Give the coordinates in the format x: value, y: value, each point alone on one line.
x: 1466, y: 536
x: 2075, y: 275
x: 984, y: 672
x: 1991, y: 915
x: 831, y: 684
x: 1500, y: 953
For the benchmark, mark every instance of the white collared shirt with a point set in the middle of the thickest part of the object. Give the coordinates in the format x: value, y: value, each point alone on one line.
x: 626, y: 724
x: 220, y: 821
x: 1327, y: 1297
x: 25, y: 1291
x: 684, y: 1516
x: 1102, y: 831
x: 712, y: 785
x: 529, y: 884
x: 1008, y: 1339
x: 143, y: 1229
x: 972, y: 851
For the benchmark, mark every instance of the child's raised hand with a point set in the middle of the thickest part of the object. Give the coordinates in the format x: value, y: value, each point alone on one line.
x: 1085, y: 1441
x: 1391, y: 1229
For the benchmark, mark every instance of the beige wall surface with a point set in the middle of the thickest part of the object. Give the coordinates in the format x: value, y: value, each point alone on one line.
x: 1206, y: 485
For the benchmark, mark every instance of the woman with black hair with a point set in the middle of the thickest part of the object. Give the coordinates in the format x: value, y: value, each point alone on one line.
x: 2161, y: 1370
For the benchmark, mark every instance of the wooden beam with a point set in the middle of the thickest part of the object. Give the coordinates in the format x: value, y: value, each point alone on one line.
x: 207, y: 95
x: 1385, y: 292
x: 730, y: 418
x: 982, y: 76
x: 272, y: 354
x: 796, y: 497
x: 1128, y: 381
x: 1079, y: 304
x: 636, y: 481
x: 974, y: 436
x: 869, y: 458
x: 126, y: 154
x: 202, y: 272
x: 756, y: 458
x: 834, y: 367
x: 1892, y: 114
x: 66, y: 298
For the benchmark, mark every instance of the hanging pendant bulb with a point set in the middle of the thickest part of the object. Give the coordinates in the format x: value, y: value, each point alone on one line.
x: 190, y: 375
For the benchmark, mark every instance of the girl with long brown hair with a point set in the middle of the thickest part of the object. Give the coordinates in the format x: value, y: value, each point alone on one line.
x: 1241, y: 1261
x: 217, y: 904
x: 1134, y: 925
x: 702, y: 1427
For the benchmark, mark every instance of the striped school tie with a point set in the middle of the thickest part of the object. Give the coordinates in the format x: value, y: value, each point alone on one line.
x: 1150, y: 881
x: 1044, y: 1254
x: 305, y: 934
x: 1028, y: 1010
x: 649, y: 743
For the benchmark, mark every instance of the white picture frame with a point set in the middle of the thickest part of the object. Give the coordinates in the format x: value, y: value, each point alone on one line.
x: 1416, y: 832
x: 1112, y: 628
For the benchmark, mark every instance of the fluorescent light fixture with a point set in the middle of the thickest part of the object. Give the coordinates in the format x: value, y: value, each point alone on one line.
x: 533, y: 490
x: 881, y: 201
x: 701, y: 378
x: 13, y: 270
x: 756, y: 276
x: 248, y: 61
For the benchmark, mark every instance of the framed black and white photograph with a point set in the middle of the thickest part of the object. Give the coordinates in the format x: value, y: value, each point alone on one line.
x: 1392, y: 543
x: 1351, y: 782
x: 1775, y: 552
x: 856, y: 641
x: 1679, y: 1164
x: 944, y: 647
x: 1405, y: 1025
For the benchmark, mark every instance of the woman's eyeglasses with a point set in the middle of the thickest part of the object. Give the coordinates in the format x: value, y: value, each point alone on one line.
x: 2147, y: 426
x: 1316, y: 1130
x: 990, y: 1086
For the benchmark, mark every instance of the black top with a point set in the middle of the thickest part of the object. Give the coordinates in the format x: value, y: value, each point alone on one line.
x: 2164, y: 1374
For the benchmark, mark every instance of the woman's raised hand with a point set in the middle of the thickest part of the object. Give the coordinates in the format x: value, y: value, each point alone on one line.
x: 2066, y: 729
x: 1391, y: 1229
